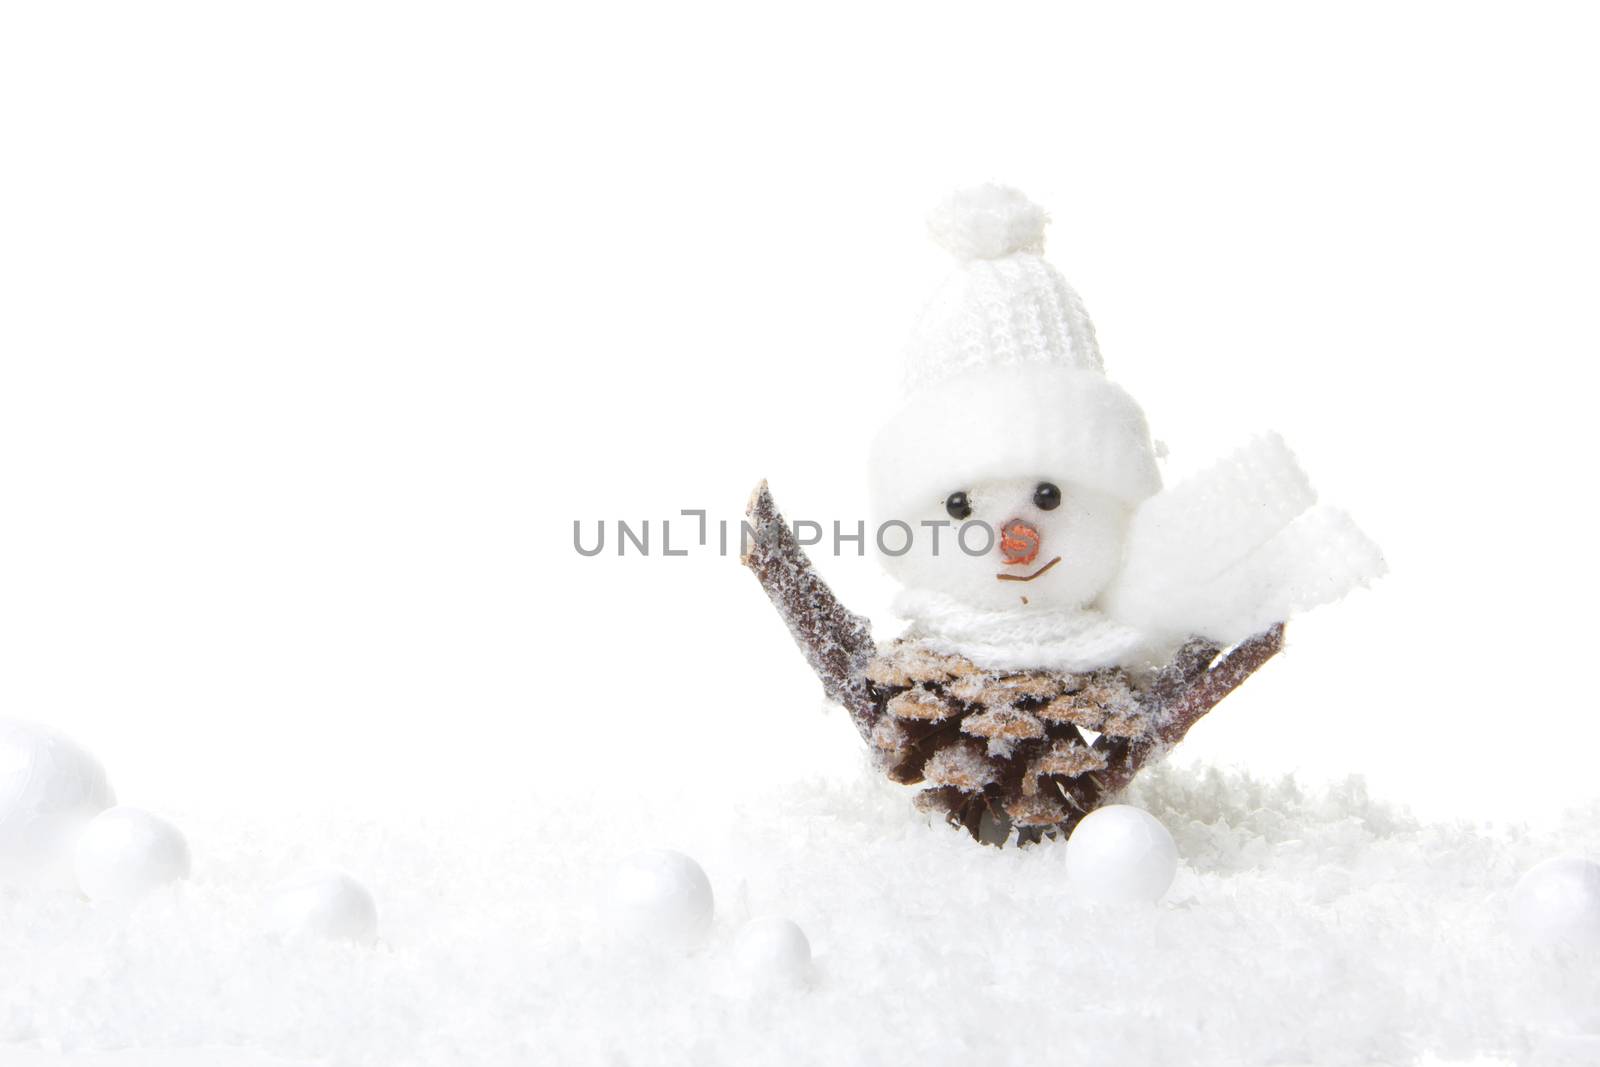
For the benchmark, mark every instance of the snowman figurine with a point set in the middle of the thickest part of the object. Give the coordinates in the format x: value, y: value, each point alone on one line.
x: 1069, y: 619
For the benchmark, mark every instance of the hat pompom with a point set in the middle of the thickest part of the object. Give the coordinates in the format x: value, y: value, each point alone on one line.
x: 988, y: 222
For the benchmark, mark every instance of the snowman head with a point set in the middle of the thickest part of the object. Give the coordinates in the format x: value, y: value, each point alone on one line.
x: 1014, y: 463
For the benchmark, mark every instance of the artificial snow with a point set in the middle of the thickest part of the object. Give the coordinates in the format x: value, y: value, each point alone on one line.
x: 1302, y: 927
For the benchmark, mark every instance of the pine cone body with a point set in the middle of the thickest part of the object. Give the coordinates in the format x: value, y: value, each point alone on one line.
x: 1000, y: 751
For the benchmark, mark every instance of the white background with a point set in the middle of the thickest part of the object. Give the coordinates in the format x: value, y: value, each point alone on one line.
x: 320, y: 324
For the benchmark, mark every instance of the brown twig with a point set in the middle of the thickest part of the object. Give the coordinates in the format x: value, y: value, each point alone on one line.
x: 1186, y: 689
x: 836, y: 643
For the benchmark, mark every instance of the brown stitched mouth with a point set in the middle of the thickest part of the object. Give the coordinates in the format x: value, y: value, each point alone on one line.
x: 1028, y: 577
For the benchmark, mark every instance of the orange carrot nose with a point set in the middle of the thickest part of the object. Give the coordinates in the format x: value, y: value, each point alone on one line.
x: 1019, y: 543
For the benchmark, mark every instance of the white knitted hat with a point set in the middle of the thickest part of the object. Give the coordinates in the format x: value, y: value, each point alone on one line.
x: 1003, y: 377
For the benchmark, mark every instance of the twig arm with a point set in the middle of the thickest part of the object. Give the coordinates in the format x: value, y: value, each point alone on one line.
x: 1208, y: 689
x: 837, y: 644
x: 1184, y: 693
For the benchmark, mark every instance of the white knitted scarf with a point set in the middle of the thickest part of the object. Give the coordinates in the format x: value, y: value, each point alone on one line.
x: 1021, y: 638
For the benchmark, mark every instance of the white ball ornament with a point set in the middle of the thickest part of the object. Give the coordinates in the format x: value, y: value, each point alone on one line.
x: 1556, y: 904
x: 1121, y: 854
x: 660, y: 898
x: 49, y: 787
x: 773, y: 953
x: 324, y: 903
x: 126, y: 852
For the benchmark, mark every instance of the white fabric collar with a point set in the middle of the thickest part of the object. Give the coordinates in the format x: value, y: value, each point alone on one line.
x: 1021, y: 638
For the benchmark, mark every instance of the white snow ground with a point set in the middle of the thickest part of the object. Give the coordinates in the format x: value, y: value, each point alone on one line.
x: 1302, y: 929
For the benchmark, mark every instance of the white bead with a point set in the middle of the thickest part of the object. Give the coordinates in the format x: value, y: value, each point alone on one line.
x: 49, y: 788
x: 661, y: 898
x: 126, y: 852
x: 1556, y: 904
x: 322, y: 902
x: 773, y: 952
x: 1120, y: 854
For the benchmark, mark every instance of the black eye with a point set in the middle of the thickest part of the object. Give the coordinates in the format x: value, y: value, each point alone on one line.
x: 1046, y: 497
x: 957, y: 505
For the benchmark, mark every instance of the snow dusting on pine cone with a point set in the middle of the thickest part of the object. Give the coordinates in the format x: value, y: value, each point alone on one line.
x: 1000, y: 752
x: 988, y: 222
